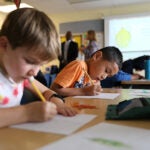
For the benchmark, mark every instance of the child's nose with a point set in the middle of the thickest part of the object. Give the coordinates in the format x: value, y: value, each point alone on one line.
x: 34, y: 71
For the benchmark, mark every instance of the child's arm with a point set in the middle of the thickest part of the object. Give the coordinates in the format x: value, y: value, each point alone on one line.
x: 61, y: 106
x: 33, y: 112
x: 136, y: 76
x: 88, y: 90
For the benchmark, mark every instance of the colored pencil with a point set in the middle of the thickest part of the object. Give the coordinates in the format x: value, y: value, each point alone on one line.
x: 31, y: 79
x: 88, y: 76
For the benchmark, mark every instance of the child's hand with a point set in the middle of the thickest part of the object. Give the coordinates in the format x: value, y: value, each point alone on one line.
x: 66, y: 110
x: 40, y: 111
x: 136, y: 76
x: 62, y: 108
x: 97, y: 82
x: 92, y: 90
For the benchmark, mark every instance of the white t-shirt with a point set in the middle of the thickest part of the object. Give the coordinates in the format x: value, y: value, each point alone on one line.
x: 10, y: 92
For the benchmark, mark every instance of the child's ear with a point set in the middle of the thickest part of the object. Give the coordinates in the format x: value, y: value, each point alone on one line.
x: 3, y: 41
x: 98, y: 55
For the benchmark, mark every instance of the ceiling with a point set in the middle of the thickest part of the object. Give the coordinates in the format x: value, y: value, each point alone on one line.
x: 67, y: 6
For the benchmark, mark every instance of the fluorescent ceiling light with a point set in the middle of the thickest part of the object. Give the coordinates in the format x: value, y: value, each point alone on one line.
x: 9, y: 8
x: 81, y: 1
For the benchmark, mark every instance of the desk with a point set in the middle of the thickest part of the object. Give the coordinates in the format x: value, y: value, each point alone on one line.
x: 12, y: 139
x: 136, y: 84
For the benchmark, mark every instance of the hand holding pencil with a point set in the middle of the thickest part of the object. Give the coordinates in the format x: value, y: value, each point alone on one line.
x: 94, y: 88
x: 61, y: 107
x: 39, y: 110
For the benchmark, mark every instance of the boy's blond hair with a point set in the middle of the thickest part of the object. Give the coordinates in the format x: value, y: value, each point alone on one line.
x: 31, y: 28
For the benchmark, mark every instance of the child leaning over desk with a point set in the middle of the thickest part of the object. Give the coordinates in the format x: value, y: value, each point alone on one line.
x: 28, y: 39
x: 74, y: 79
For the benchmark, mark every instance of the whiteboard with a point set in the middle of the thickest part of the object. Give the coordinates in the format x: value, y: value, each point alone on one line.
x: 131, y: 34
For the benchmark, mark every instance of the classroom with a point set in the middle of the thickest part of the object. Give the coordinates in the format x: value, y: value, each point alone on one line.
x: 104, y: 120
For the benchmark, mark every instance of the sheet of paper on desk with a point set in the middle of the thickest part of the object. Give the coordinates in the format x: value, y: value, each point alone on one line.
x: 139, y: 93
x: 105, y: 137
x: 59, y: 124
x: 101, y: 96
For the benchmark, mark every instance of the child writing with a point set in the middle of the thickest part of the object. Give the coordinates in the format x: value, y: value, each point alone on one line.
x: 73, y: 79
x: 28, y: 39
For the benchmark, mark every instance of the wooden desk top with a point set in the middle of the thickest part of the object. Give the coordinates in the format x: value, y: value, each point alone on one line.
x: 12, y: 139
x: 137, y: 82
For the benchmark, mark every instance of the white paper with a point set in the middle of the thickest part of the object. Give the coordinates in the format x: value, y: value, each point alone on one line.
x: 105, y: 137
x: 59, y: 124
x: 101, y: 96
x: 139, y: 93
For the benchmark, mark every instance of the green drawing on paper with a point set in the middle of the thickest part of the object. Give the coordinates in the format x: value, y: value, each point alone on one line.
x: 112, y: 143
x: 123, y: 38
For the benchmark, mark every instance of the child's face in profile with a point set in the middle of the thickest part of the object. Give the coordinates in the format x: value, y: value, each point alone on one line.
x: 99, y: 68
x: 21, y: 63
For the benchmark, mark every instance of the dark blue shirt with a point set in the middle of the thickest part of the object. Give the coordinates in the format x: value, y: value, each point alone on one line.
x: 115, y: 80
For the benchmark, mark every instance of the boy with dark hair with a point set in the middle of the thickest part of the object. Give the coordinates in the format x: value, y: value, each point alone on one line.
x: 73, y: 80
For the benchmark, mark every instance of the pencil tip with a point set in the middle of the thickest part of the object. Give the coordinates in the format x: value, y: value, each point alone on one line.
x: 31, y: 78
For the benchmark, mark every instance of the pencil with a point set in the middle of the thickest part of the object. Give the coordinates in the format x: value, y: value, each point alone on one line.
x: 88, y: 76
x: 31, y: 79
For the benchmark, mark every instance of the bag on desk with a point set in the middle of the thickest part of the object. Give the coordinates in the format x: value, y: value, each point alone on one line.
x: 137, y: 108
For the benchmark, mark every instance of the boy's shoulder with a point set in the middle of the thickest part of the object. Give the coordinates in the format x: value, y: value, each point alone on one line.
x: 77, y: 63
